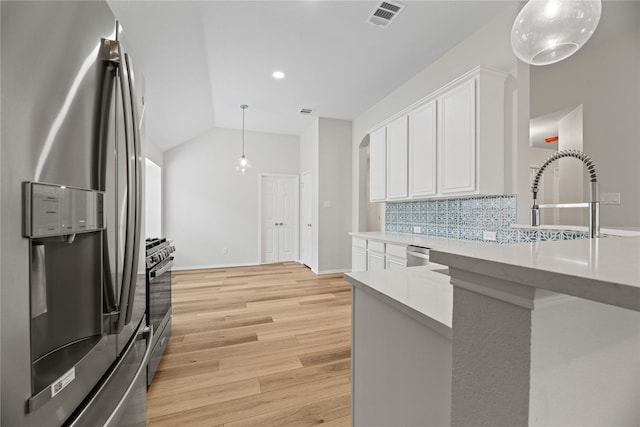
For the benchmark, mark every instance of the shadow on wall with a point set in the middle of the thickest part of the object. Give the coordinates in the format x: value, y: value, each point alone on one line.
x: 371, y: 214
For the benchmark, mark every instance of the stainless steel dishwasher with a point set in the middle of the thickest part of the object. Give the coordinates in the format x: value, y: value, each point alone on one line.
x: 417, y: 255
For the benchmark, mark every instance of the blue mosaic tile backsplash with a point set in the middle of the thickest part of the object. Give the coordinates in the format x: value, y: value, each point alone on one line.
x: 466, y: 219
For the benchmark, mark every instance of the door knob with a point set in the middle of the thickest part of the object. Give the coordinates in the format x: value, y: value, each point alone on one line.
x: 281, y: 223
x: 276, y: 224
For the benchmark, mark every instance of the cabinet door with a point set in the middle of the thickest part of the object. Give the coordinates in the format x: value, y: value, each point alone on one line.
x: 358, y: 260
x: 397, y: 159
x: 457, y: 139
x: 422, y: 151
x: 393, y: 263
x: 377, y: 166
x: 375, y: 261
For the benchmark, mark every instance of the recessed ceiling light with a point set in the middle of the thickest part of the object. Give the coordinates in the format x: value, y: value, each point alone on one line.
x: 278, y: 75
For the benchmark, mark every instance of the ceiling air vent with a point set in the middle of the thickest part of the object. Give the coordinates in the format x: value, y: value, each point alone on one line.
x: 305, y: 111
x: 385, y: 13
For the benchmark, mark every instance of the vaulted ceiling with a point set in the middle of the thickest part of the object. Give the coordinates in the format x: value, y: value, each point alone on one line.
x: 202, y: 59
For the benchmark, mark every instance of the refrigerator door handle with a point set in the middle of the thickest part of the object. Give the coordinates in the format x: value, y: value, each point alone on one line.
x: 137, y: 193
x: 145, y: 333
x: 128, y: 275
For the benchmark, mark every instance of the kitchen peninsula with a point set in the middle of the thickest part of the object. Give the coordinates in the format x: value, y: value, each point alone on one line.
x: 542, y: 333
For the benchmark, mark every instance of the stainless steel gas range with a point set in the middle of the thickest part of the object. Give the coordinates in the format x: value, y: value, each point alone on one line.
x: 159, y: 261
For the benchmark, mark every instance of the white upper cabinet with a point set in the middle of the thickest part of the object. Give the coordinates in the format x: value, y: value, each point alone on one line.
x: 378, y: 166
x: 397, y: 188
x: 457, y: 129
x: 451, y: 143
x: 422, y: 151
x: 471, y: 135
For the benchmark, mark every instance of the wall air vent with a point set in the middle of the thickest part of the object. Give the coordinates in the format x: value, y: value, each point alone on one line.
x: 385, y: 13
x: 305, y: 111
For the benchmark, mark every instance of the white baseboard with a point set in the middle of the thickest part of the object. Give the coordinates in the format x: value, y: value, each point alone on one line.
x: 347, y: 270
x: 205, y: 267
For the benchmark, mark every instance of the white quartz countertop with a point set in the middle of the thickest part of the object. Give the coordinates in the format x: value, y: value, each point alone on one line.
x: 621, y: 232
x: 418, y: 240
x: 605, y: 270
x: 419, y: 288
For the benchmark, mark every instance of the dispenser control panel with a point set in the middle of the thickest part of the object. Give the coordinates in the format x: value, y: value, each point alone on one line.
x: 57, y: 210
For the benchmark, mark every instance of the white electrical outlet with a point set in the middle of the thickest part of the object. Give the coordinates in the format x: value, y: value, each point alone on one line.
x: 225, y: 250
x: 489, y: 235
x: 417, y: 229
x: 610, y: 198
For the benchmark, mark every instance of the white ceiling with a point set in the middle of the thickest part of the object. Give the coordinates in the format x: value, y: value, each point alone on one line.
x: 201, y: 60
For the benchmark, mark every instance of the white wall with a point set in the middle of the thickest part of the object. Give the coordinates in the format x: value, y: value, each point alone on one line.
x: 490, y: 46
x: 152, y: 199
x: 153, y: 153
x: 208, y: 206
x: 334, y: 195
x: 604, y: 77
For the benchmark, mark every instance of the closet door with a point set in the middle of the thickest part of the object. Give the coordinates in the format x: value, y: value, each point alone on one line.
x: 279, y: 206
x: 269, y: 250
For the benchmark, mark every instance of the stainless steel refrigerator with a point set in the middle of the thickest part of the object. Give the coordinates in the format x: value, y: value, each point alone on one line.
x: 74, y: 342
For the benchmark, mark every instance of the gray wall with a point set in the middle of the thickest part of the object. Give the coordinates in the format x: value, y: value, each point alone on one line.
x: 325, y: 149
x: 604, y: 77
x: 208, y: 206
x: 334, y: 244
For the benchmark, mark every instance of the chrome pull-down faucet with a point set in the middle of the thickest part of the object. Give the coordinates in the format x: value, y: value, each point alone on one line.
x: 593, y: 204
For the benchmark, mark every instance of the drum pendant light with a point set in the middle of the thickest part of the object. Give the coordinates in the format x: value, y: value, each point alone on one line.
x: 548, y: 31
x: 243, y: 164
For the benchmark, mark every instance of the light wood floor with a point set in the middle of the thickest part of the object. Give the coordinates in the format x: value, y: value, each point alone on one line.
x: 264, y: 345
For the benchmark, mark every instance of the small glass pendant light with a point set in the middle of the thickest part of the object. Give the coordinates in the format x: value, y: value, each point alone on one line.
x: 548, y: 31
x: 243, y: 164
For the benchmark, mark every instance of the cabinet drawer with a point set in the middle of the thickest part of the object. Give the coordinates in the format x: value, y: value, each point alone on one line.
x: 396, y: 250
x: 376, y: 246
x: 359, y: 243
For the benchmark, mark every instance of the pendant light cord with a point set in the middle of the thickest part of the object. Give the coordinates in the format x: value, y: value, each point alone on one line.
x: 244, y: 107
x: 243, y: 131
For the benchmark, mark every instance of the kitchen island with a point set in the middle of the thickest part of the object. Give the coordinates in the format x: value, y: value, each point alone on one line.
x: 543, y: 333
x: 401, y: 346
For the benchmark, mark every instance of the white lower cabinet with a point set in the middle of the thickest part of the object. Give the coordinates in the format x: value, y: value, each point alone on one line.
x: 358, y: 259
x: 375, y: 261
x: 375, y: 255
x: 371, y: 255
x: 393, y: 262
x: 396, y: 256
x: 358, y: 254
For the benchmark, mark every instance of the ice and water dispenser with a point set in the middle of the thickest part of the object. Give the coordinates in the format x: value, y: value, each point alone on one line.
x: 64, y: 226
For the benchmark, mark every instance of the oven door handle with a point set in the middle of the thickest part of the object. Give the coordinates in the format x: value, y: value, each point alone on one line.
x: 155, y: 273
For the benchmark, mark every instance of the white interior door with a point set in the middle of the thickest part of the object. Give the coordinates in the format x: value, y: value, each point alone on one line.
x: 306, y: 225
x: 279, y: 218
x: 286, y: 202
x: 269, y: 221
